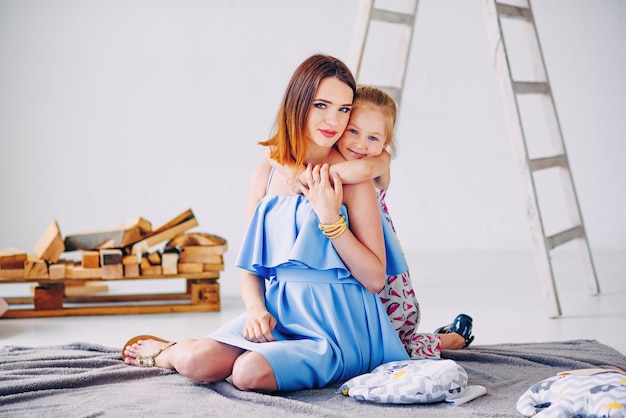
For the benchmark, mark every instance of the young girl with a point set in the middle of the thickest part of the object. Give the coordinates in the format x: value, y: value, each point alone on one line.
x: 364, y: 143
x: 312, y: 263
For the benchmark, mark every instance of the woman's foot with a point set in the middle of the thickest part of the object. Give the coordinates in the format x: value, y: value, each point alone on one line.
x: 145, y: 351
x: 461, y: 325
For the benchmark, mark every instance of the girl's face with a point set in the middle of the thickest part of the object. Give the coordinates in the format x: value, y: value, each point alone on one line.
x: 330, y: 113
x: 365, y: 134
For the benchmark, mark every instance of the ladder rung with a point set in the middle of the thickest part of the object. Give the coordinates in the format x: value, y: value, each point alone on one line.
x: 392, y: 17
x: 564, y: 236
x: 531, y: 87
x: 514, y: 12
x: 547, y: 162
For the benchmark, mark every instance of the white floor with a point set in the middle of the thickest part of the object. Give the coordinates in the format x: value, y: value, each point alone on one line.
x: 499, y: 290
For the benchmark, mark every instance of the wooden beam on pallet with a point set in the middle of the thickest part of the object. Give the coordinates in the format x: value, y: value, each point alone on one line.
x: 12, y: 258
x: 169, y: 230
x: 35, y: 268
x: 119, y: 236
x: 50, y: 246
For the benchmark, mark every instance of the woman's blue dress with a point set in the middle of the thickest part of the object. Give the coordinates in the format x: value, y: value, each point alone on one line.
x: 329, y: 327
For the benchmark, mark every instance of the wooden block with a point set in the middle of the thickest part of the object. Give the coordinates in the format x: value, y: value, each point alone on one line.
x: 113, y: 271
x: 49, y: 296
x: 12, y: 274
x: 130, y: 259
x: 56, y: 271
x: 131, y: 265
x: 154, y: 258
x: 50, y: 246
x: 145, y: 263
x: 4, y: 306
x: 131, y: 270
x: 213, y: 243
x: 167, y: 231
x: 189, y: 268
x: 169, y: 261
x: 200, y: 254
x: 205, y: 293
x: 110, y: 257
x: 151, y: 271
x: 12, y: 258
x: 119, y: 236
x: 213, y: 267
x: 35, y: 268
x: 79, y: 272
x: 90, y: 259
x: 87, y: 288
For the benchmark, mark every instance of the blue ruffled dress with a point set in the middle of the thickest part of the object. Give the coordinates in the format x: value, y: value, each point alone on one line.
x: 329, y: 327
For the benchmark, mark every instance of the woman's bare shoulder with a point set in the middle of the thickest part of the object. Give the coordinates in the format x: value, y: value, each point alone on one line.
x: 259, y: 178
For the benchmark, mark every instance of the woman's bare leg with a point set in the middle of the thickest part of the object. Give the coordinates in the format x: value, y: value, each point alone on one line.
x: 251, y: 371
x: 199, y: 360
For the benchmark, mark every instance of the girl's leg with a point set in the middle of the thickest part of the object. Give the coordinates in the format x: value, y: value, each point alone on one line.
x: 200, y: 360
x: 451, y: 341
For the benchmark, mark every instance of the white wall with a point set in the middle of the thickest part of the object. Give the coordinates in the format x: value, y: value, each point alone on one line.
x: 116, y: 109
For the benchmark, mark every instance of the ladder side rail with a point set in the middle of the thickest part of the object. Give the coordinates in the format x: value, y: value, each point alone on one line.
x: 406, y: 43
x: 516, y: 134
x: 567, y: 180
x: 359, y: 36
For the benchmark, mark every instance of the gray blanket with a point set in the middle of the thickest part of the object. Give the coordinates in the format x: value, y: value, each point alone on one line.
x: 86, y: 380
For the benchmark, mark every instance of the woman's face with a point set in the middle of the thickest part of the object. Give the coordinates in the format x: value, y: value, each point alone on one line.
x: 365, y: 134
x: 330, y: 113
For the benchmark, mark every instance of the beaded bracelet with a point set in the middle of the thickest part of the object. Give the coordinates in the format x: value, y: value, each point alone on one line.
x: 332, y: 231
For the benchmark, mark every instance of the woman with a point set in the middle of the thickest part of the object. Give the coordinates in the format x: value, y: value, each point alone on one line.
x: 309, y: 282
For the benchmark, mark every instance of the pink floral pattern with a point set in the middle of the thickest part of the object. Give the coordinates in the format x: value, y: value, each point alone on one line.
x: 403, y: 309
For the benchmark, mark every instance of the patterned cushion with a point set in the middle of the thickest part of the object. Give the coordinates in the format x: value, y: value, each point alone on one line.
x: 409, y: 381
x: 577, y: 393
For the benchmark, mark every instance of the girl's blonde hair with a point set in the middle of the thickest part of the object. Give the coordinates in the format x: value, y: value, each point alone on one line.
x: 381, y: 102
x: 289, y: 141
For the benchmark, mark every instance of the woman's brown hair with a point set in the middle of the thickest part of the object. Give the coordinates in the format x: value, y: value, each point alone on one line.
x: 289, y: 142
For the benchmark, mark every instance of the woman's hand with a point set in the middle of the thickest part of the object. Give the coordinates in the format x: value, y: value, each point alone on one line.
x: 324, y: 193
x: 259, y: 326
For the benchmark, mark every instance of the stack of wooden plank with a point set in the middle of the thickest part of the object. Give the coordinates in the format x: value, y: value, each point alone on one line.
x: 126, y: 252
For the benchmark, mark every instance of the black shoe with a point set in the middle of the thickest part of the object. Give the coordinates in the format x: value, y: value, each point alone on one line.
x: 462, y: 325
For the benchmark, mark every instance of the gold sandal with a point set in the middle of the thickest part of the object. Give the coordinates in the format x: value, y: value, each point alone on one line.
x: 148, y: 361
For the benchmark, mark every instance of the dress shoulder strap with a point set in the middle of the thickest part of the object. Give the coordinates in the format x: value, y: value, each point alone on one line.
x: 269, y: 180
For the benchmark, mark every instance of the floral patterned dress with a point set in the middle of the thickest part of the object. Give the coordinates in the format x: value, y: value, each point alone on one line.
x: 398, y: 296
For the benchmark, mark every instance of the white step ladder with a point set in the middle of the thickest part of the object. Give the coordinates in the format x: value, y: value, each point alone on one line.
x: 369, y: 22
x: 403, y: 22
x: 497, y: 15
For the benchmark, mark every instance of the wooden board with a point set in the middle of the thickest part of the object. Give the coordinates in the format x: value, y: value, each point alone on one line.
x: 50, y: 246
x: 199, y: 254
x: 35, y: 267
x: 144, y: 245
x: 212, y: 243
x: 12, y: 257
x: 119, y: 236
x: 178, y: 219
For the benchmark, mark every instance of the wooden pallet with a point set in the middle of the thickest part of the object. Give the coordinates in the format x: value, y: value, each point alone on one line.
x: 50, y: 299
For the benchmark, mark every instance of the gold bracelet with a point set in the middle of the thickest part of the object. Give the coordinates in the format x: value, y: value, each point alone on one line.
x: 332, y: 231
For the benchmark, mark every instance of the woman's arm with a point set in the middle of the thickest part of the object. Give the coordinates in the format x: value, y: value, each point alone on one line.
x: 361, y: 247
x: 259, y: 323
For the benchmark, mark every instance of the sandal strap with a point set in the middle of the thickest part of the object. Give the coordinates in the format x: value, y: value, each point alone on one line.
x: 150, y: 361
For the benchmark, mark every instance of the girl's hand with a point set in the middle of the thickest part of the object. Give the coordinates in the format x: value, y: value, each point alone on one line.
x: 259, y: 326
x: 324, y: 193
